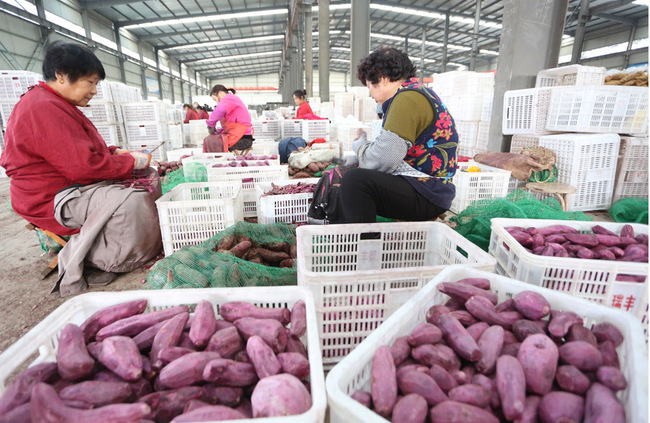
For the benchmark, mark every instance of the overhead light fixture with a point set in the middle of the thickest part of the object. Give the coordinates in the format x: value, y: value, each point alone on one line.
x: 340, y: 60
x: 432, y: 15
x: 236, y: 57
x: 213, y: 17
x: 418, y: 41
x: 645, y: 3
x: 226, y: 42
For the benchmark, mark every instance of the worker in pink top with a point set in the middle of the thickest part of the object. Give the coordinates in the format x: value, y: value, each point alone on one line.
x: 236, y: 132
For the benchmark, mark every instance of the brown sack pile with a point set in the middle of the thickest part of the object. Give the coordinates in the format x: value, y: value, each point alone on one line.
x: 521, y: 165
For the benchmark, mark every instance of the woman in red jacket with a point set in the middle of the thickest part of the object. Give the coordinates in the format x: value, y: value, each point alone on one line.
x: 202, y: 113
x: 190, y: 113
x: 62, y: 175
x: 304, y: 109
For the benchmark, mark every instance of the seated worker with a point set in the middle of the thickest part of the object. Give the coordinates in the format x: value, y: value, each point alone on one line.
x: 236, y: 132
x: 190, y: 113
x: 406, y: 172
x: 203, y: 114
x: 304, y: 109
x: 62, y: 171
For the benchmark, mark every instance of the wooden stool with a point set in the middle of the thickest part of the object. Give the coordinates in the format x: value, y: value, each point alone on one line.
x: 241, y: 152
x: 560, y: 190
x: 56, y: 238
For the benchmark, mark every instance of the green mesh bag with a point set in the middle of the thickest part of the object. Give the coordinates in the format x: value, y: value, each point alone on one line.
x: 474, y: 222
x: 630, y: 210
x: 201, y: 266
x: 172, y: 179
x: 48, y: 244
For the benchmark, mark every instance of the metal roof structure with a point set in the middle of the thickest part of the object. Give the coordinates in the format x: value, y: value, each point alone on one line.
x: 236, y: 38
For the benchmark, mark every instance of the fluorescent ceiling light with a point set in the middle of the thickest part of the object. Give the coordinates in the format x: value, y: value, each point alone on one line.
x: 213, y: 17
x: 490, y: 52
x: 418, y: 41
x: 239, y: 56
x: 416, y: 60
x: 226, y: 42
x: 432, y: 15
x: 641, y: 2
x: 340, y: 48
x: 340, y: 60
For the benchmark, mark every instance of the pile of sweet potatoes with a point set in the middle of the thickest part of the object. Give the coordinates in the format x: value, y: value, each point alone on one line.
x: 299, y: 188
x: 476, y: 360
x: 125, y: 366
x: 274, y: 254
x: 309, y: 171
x: 165, y: 168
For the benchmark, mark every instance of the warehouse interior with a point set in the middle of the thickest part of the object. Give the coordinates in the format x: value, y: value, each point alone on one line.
x: 524, y: 78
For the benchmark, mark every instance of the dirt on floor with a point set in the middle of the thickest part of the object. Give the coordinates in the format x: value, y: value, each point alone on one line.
x: 25, y: 298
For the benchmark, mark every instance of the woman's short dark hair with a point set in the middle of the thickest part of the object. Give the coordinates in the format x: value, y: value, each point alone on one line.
x: 71, y: 59
x: 300, y: 93
x: 386, y: 62
x: 222, y: 88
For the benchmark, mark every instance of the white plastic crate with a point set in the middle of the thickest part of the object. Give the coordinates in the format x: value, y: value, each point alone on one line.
x: 571, y: 75
x: 249, y: 177
x: 465, y: 107
x: 467, y: 133
x: 314, y: 103
x: 145, y: 111
x: 101, y: 113
x: 103, y: 92
x: 599, y: 109
x: 632, y: 169
x: 473, y: 83
x: 312, y: 129
x: 291, y: 128
x: 112, y: 134
x: 198, y: 126
x: 175, y: 115
x: 587, y: 162
x: 486, y: 112
x: 176, y: 136
x: 176, y: 154
x: 287, y: 208
x: 343, y: 104
x: 266, y: 129
x: 40, y: 343
x: 192, y: 212
x: 158, y: 149
x: 146, y: 131
x: 359, y: 92
x: 14, y: 83
x: 6, y: 107
x: 526, y: 111
x: 522, y: 141
x: 482, y: 137
x: 361, y: 273
x: 261, y: 147
x: 346, y: 133
x: 353, y: 372
x: 471, y: 187
x: 593, y: 280
x: 365, y: 109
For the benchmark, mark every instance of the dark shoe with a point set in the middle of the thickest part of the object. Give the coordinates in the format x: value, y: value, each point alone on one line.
x: 96, y: 277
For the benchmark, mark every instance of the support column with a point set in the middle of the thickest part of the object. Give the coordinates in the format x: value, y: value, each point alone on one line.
x: 158, y: 72
x: 626, y: 57
x: 424, y: 40
x: 583, y: 18
x: 143, y: 76
x: 196, y: 78
x: 309, y: 53
x: 45, y: 34
x: 120, y: 56
x: 530, y: 41
x: 406, y: 45
x: 359, y: 36
x: 86, y: 23
x: 445, y: 42
x: 477, y: 19
x: 180, y: 72
x: 324, y: 50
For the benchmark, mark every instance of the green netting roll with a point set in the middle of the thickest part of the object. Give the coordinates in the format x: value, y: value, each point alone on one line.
x: 172, y: 179
x: 630, y: 210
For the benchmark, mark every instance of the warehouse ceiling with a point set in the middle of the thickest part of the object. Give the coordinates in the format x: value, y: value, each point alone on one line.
x: 226, y: 38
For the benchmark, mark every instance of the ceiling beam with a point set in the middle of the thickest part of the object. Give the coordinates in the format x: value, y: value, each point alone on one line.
x: 261, y: 62
x: 609, y: 6
x: 162, y: 19
x: 615, y: 18
x: 433, y: 28
x: 440, y: 11
x: 208, y: 41
x: 101, y: 4
x: 152, y: 37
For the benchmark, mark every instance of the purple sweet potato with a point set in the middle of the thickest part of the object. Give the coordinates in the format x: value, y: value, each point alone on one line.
x: 383, y: 381
x: 560, y: 406
x: 210, y: 413
x: 557, y: 229
x: 636, y: 253
x: 195, y: 404
x: 511, y: 385
x: 523, y: 238
x: 168, y: 336
x: 611, y: 377
x: 186, y: 370
x: 554, y: 238
x: 587, y: 240
x: 97, y: 393
x: 424, y: 333
x: 295, y: 345
x: 608, y: 240
x: 458, y: 337
x: 532, y: 305
x: 262, y: 357
x: 120, y: 355
x: 581, y: 354
x: 538, y: 356
x: 457, y: 412
x: 511, y: 349
x: 47, y: 407
x: 204, y: 324
x: 610, y: 356
x: 295, y: 364
x: 507, y: 305
x: 537, y: 241
x: 490, y: 343
x: 477, y: 329
x: 362, y: 397
x: 455, y: 303
x: 135, y: 324
x: 470, y: 394
x: 602, y: 406
x: 415, y: 382
x: 222, y: 395
x: 524, y: 328
x: 571, y: 379
x: 442, y: 377
x: 606, y: 331
x: 298, y: 319
x: 169, y: 354
x: 270, y: 330
x: 627, y: 231
x: 460, y: 376
x: 240, y: 249
x: 578, y: 332
x: 226, y: 342
x: 434, y: 312
x: 484, y: 310
x: 530, y: 410
x: 481, y: 283
x: 230, y: 373
x: 561, y: 321
x: 108, y: 315
x: 463, y: 291
x: 400, y: 350
x: 411, y: 408
x: 282, y: 395
x: 145, y: 338
x: 464, y: 317
x: 19, y: 414
x: 167, y: 404
x: 72, y: 357
x: 599, y: 230
x: 489, y: 385
x: 20, y: 390
x: 642, y: 239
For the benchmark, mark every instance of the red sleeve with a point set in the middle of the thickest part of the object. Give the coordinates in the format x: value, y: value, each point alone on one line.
x: 303, y: 110
x: 188, y: 116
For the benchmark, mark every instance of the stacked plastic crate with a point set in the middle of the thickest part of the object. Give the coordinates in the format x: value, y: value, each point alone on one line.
x: 146, y: 127
x: 572, y: 113
x: 198, y: 130
x: 106, y: 115
x: 13, y: 84
x: 268, y: 128
x: 175, y: 115
x: 468, y: 97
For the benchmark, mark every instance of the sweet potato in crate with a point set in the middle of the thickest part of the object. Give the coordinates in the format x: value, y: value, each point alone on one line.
x: 289, y: 208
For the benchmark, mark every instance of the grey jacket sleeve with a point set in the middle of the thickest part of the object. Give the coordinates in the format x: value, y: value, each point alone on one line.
x: 385, y: 154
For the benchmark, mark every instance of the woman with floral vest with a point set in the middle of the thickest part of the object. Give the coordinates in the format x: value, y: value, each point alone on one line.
x: 406, y: 172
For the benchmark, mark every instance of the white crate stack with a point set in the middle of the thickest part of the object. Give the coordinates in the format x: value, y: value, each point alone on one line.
x: 2, y: 147
x: 113, y: 134
x: 365, y: 109
x: 290, y: 128
x: 632, y: 169
x: 175, y: 113
x: 13, y: 84
x: 269, y: 128
x: 198, y: 130
x: 314, y: 103
x: 107, y: 118
x: 490, y: 182
x: 347, y: 132
x: 146, y: 127
x: 175, y: 136
x: 327, y: 111
x: 343, y: 105
x: 312, y: 129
